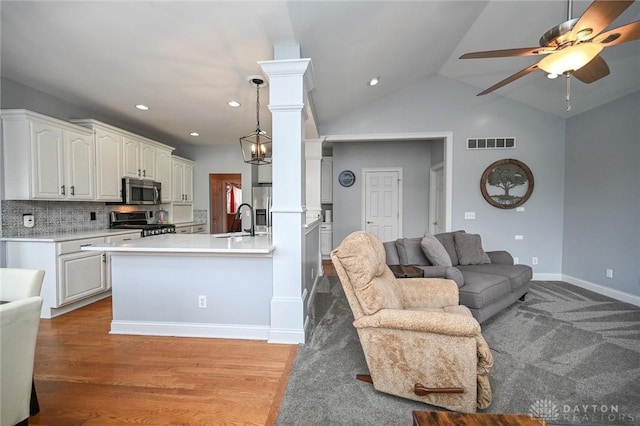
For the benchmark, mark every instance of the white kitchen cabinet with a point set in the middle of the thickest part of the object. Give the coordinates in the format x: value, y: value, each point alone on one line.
x: 198, y: 229
x: 46, y: 158
x: 265, y: 173
x: 186, y: 229
x: 182, y: 180
x: 118, y: 150
x: 326, y: 239
x: 164, y: 172
x: 139, y: 158
x: 108, y: 173
x: 326, y: 180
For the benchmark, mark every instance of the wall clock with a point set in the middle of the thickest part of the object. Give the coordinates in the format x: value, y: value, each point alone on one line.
x: 507, y: 184
x: 346, y: 178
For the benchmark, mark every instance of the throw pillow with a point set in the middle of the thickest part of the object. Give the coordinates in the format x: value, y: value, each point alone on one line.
x: 435, y: 251
x: 469, y: 249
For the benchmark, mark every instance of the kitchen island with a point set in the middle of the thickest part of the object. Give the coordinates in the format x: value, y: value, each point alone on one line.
x: 195, y: 285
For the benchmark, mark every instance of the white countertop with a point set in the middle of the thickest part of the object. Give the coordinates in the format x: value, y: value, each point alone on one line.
x: 191, y: 243
x: 69, y: 236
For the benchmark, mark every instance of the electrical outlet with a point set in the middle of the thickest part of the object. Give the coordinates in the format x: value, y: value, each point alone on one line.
x: 609, y: 273
x: 519, y: 237
x: 202, y: 302
x: 516, y: 260
x: 92, y: 216
x: 534, y: 260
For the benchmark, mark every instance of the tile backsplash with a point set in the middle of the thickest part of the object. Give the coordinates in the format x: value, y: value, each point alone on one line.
x: 56, y: 217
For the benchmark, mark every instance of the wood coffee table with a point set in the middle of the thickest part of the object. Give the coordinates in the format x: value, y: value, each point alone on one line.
x: 404, y: 271
x: 447, y: 418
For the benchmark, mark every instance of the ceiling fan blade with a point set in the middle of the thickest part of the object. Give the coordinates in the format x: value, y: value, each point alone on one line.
x: 597, y: 17
x: 508, y: 80
x: 523, y: 51
x: 593, y: 71
x: 619, y: 35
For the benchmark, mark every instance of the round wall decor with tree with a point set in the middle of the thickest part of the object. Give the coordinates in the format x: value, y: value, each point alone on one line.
x: 507, y: 184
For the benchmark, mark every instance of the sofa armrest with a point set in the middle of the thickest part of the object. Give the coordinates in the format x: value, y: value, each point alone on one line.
x: 500, y: 257
x: 448, y: 272
x: 427, y: 292
x: 422, y: 321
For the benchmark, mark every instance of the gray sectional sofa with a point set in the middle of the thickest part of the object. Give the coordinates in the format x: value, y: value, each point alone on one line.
x: 488, y: 282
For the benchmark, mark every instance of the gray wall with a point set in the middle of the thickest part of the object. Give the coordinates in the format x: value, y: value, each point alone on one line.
x: 602, y: 197
x: 414, y: 157
x: 438, y: 104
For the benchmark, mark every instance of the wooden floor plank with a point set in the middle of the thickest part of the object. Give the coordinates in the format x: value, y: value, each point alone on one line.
x: 86, y: 376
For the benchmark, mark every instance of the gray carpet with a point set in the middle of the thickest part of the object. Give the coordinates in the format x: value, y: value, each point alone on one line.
x: 569, y: 355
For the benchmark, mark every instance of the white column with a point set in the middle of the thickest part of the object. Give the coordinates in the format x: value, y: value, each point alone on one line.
x: 289, y: 80
x: 313, y: 155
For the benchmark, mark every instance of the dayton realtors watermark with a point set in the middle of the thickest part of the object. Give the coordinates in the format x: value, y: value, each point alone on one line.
x: 601, y: 414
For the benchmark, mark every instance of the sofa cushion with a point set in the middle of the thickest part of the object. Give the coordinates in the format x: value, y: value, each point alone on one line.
x: 518, y: 275
x: 481, y: 289
x: 410, y: 252
x: 435, y: 251
x: 446, y: 238
x: 469, y: 249
x: 391, y: 253
x: 449, y: 272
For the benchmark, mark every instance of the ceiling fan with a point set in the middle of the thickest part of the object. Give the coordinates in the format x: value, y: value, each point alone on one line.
x: 573, y: 47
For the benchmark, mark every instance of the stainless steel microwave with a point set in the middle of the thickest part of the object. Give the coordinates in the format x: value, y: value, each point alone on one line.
x: 141, y: 191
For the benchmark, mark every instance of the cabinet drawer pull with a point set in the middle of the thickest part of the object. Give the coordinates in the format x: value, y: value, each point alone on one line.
x: 86, y: 245
x: 62, y: 188
x: 73, y: 190
x: 126, y: 239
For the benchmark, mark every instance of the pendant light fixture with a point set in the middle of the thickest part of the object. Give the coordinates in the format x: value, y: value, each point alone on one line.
x: 256, y: 146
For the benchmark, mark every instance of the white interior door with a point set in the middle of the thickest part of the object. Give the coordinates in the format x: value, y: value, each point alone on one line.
x: 436, y: 199
x: 382, y: 203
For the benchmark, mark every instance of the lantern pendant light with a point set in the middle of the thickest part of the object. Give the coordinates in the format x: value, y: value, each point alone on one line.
x: 256, y: 146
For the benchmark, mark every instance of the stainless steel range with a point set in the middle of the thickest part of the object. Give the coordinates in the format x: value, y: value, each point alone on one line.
x: 139, y: 220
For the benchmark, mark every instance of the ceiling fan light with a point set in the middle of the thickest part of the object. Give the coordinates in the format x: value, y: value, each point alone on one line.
x: 551, y: 76
x: 570, y: 59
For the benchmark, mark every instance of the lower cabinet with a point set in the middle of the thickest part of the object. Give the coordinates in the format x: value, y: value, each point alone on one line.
x: 326, y: 239
x: 191, y: 229
x: 73, y: 277
x: 80, y: 273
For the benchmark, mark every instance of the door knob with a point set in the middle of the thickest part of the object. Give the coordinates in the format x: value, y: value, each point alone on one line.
x: 369, y: 222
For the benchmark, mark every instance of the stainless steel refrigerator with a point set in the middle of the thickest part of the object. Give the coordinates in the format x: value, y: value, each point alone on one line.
x: 262, y: 208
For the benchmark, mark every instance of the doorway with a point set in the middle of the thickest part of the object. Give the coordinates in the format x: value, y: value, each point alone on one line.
x: 221, y: 202
x: 382, y: 196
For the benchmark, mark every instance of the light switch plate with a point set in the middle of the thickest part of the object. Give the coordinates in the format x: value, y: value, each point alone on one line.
x: 469, y: 215
x: 519, y: 237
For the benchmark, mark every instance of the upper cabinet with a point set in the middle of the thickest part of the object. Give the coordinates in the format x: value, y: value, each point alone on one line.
x: 46, y: 158
x: 182, y: 180
x: 123, y: 154
x: 164, y: 174
x: 139, y: 158
x: 85, y: 160
x: 326, y: 180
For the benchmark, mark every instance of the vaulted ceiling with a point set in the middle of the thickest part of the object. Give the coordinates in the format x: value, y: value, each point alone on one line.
x: 186, y: 60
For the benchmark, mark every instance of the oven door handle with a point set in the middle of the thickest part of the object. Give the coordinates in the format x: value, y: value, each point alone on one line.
x: 156, y: 195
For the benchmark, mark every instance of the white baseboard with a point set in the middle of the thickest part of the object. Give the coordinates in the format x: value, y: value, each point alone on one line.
x: 605, y: 291
x: 222, y: 331
x: 547, y: 277
x: 290, y: 337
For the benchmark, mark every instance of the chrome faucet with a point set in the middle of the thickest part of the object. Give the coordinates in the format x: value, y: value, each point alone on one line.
x: 251, y: 230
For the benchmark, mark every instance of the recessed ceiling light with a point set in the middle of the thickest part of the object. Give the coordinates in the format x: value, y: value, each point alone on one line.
x: 552, y: 76
x: 194, y: 134
x: 234, y: 104
x: 142, y: 107
x: 374, y: 81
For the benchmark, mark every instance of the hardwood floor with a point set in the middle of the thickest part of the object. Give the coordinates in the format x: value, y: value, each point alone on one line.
x: 86, y: 376
x: 328, y: 268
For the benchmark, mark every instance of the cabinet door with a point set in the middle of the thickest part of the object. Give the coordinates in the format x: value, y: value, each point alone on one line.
x: 131, y: 158
x: 187, y: 183
x: 47, y: 162
x: 108, y: 166
x: 148, y: 161
x: 326, y: 181
x: 80, y: 160
x: 265, y: 173
x: 178, y: 182
x: 326, y: 242
x: 163, y: 174
x: 81, y: 275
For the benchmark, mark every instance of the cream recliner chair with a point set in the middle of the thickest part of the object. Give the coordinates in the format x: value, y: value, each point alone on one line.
x: 419, y: 343
x: 19, y: 321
